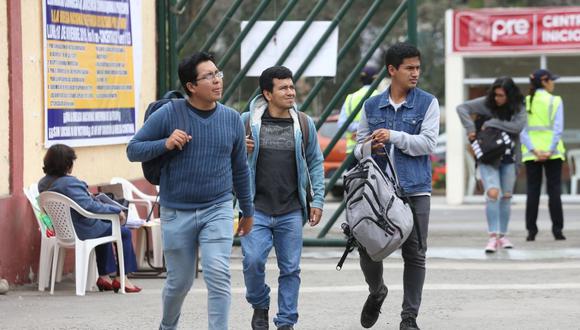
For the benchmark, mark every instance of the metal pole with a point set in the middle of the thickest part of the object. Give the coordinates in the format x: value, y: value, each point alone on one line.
x: 238, y: 78
x: 293, y: 43
x: 354, y: 36
x: 191, y: 28
x: 332, y: 220
x: 172, y: 35
x: 162, y: 52
x: 261, y: 7
x: 339, y: 15
x: 339, y: 94
x: 412, y: 21
x: 221, y: 26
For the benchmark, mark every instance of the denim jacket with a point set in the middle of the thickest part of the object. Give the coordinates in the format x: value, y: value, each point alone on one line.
x: 313, y: 161
x: 413, y: 134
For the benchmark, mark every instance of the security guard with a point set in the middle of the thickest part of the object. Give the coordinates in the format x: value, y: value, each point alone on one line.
x: 542, y: 147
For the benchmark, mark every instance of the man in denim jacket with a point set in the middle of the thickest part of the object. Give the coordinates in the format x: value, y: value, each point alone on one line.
x: 403, y: 121
x: 280, y: 170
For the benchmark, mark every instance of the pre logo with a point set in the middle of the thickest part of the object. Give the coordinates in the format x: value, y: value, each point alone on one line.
x: 514, y: 28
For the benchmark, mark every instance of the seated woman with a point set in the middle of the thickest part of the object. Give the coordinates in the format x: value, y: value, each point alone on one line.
x: 58, y: 164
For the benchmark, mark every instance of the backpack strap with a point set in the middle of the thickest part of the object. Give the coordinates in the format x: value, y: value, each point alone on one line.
x: 247, y: 126
x: 181, y: 108
x: 303, y: 119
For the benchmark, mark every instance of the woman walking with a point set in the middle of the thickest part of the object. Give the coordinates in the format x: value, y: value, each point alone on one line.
x: 542, y: 147
x: 503, y: 109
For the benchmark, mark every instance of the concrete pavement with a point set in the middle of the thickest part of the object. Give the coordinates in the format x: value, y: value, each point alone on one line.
x: 534, y: 286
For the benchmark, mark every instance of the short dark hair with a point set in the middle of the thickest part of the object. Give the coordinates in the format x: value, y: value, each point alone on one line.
x: 59, y: 160
x: 187, y: 70
x: 398, y: 52
x: 514, y: 102
x: 276, y: 72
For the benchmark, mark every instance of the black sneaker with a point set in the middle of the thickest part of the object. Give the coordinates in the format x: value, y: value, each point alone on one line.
x: 531, y: 236
x: 372, y: 308
x: 559, y: 237
x: 286, y: 327
x: 260, y: 319
x: 409, y: 323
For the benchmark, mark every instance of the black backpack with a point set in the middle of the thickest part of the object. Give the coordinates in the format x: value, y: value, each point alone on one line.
x: 152, y: 168
x: 490, y: 145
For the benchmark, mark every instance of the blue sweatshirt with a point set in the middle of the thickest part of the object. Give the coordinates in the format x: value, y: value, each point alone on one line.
x: 201, y: 174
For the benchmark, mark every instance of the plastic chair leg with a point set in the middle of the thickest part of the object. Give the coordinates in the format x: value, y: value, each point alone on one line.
x: 60, y: 265
x: 157, y: 246
x: 81, y: 269
x: 45, y: 263
x: 55, y: 256
x: 121, y: 262
x: 141, y: 248
x: 92, y: 273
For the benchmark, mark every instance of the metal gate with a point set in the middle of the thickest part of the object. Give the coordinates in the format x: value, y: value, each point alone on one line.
x: 175, y: 35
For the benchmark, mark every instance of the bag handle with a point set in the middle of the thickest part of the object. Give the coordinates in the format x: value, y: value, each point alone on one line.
x: 367, y: 152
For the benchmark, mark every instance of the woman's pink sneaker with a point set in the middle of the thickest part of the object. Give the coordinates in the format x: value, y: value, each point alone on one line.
x: 505, y: 243
x: 491, y: 246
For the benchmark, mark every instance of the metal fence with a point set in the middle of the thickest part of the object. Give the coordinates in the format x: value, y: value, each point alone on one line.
x: 172, y: 41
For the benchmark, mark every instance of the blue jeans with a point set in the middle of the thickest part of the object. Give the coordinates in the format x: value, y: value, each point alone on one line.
x: 182, y: 230
x: 284, y: 232
x: 106, y: 260
x: 498, y: 210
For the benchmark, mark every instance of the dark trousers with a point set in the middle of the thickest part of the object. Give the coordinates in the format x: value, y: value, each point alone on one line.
x: 106, y: 261
x: 553, y: 169
x: 413, y: 256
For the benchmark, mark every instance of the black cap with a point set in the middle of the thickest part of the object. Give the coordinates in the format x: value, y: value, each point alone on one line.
x: 543, y: 74
x: 369, y: 71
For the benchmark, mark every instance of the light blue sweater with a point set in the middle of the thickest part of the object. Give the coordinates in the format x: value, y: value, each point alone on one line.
x: 201, y: 174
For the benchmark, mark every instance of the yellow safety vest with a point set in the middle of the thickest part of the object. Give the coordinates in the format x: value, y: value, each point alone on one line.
x: 352, y: 101
x: 541, y: 125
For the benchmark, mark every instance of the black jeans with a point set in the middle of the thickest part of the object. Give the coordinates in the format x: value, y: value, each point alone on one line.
x: 414, y: 258
x: 553, y: 169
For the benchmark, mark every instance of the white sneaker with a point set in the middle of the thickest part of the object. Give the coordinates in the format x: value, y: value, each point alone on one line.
x: 491, y: 246
x: 504, y: 243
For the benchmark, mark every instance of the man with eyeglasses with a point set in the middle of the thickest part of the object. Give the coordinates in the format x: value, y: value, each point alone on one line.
x: 208, y: 142
x: 284, y: 164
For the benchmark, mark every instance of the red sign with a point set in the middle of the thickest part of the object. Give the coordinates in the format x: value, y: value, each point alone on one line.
x: 509, y: 29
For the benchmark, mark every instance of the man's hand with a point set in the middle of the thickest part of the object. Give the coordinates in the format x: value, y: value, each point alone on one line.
x: 377, y: 148
x: 244, y: 225
x: 177, y: 139
x: 249, y: 144
x: 315, y: 216
x: 122, y: 218
x: 382, y: 135
x: 471, y: 136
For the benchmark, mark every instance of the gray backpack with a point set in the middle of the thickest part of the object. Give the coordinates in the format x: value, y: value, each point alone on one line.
x: 378, y: 220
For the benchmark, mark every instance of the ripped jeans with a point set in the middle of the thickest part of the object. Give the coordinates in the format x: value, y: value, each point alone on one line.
x: 498, y: 209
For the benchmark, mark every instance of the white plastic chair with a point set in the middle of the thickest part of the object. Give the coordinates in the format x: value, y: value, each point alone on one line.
x: 574, y: 166
x: 154, y: 224
x: 58, y: 207
x: 46, y: 243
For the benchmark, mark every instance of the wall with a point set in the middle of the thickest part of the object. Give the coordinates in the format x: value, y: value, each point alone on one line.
x: 94, y: 164
x: 4, y: 160
x: 24, y: 131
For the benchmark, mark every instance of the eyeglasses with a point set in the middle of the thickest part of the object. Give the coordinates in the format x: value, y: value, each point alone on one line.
x: 211, y: 76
